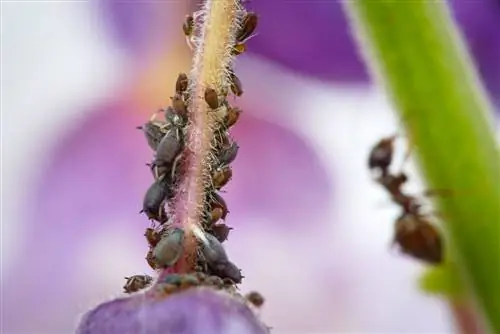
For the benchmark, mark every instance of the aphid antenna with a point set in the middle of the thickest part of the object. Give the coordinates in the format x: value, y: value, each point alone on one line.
x: 248, y: 38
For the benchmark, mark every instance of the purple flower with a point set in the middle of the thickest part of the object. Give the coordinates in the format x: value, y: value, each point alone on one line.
x: 199, y: 310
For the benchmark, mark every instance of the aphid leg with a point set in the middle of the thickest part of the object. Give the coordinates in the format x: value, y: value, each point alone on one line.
x: 174, y: 166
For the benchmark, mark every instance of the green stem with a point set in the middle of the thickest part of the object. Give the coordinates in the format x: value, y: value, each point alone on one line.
x: 415, y: 50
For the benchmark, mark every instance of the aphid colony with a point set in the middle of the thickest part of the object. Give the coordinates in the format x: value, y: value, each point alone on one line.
x: 415, y: 234
x: 167, y: 138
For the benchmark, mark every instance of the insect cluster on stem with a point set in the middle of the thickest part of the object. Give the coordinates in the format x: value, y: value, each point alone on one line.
x: 414, y: 232
x: 167, y: 137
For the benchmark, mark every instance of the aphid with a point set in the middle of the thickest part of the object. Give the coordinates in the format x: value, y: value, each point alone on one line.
x: 221, y: 176
x: 188, y: 25
x: 227, y: 269
x: 228, y: 154
x: 168, y: 149
x: 151, y: 260
x: 212, y: 250
x: 154, y: 133
x: 215, y: 214
x: 179, y: 105
x: 153, y: 202
x: 381, y: 155
x: 255, y: 298
x: 417, y: 237
x: 218, y: 202
x: 249, y: 23
x: 211, y: 98
x: 152, y: 236
x: 182, y: 83
x: 136, y: 283
x: 169, y: 249
x: 233, y: 114
x: 236, y: 86
x: 221, y: 231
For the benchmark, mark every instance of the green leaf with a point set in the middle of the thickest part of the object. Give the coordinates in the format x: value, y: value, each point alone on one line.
x: 443, y: 281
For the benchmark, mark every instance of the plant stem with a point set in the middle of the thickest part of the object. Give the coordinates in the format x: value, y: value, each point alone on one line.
x: 216, y: 29
x: 417, y: 53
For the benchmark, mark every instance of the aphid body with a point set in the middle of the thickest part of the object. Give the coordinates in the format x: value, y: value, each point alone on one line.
x: 228, y: 154
x: 170, y: 248
x: 218, y: 202
x: 212, y: 250
x: 152, y: 236
x: 255, y: 298
x: 182, y: 83
x: 221, y: 231
x: 249, y: 23
x: 227, y: 269
x: 168, y: 149
x: 137, y: 282
x: 221, y: 176
x: 153, y: 202
x: 212, y: 98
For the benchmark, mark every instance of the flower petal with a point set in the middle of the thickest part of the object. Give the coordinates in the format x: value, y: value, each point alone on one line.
x: 195, y: 311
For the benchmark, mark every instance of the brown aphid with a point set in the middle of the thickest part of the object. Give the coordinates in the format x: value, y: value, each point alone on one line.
x: 221, y: 176
x: 137, y: 282
x: 381, y: 155
x: 238, y: 49
x: 152, y: 236
x: 218, y: 202
x: 418, y: 238
x: 188, y: 25
x: 215, y: 214
x: 221, y: 231
x: 236, y: 86
x: 228, y: 154
x: 255, y: 298
x: 182, y: 83
x: 233, y: 114
x: 151, y: 260
x: 211, y: 98
x: 248, y: 26
x: 179, y: 105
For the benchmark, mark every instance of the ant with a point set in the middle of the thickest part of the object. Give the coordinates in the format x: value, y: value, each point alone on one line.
x: 414, y: 233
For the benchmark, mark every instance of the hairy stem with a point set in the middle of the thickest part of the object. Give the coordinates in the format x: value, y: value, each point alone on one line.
x: 417, y: 53
x: 217, y: 26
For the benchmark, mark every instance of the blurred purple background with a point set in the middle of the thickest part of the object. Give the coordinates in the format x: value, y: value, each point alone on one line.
x: 312, y: 233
